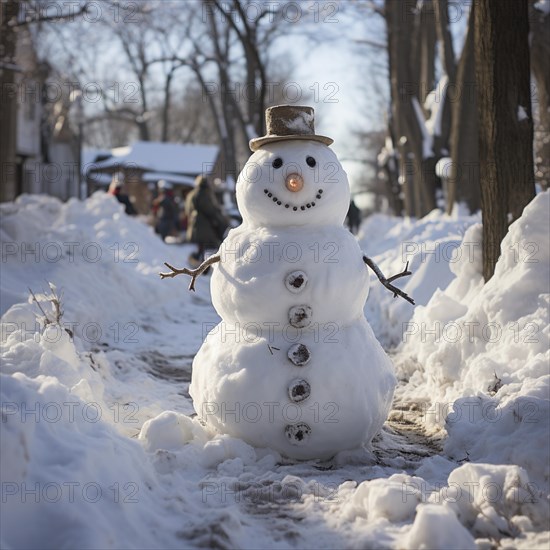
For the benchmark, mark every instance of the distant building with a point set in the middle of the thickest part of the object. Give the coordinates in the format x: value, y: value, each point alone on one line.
x: 144, y: 163
x: 46, y: 149
x: 30, y: 113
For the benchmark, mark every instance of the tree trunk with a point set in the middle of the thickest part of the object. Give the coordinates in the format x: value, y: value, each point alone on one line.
x: 230, y: 163
x: 505, y: 123
x: 393, y: 188
x: 398, y: 44
x: 8, y: 103
x: 447, y: 55
x: 445, y: 39
x: 464, y: 173
x: 256, y: 79
x: 142, y: 122
x: 427, y: 39
x: 416, y: 176
x: 166, y: 106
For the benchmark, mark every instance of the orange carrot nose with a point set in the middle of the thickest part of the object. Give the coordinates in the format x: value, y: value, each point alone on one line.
x: 294, y: 182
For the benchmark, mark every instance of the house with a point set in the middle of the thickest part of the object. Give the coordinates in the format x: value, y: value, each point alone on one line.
x: 29, y: 114
x: 144, y: 163
x: 45, y: 149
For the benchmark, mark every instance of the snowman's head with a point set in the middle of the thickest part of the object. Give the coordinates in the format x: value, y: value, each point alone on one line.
x: 293, y: 182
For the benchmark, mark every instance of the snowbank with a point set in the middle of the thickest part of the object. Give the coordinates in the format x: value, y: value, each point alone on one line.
x: 478, y: 354
x: 84, y: 247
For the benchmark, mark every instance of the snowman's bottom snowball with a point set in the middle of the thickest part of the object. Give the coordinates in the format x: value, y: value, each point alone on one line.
x: 240, y: 387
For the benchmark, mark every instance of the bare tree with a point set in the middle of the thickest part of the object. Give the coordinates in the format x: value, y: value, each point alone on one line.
x: 245, y: 30
x: 447, y: 56
x: 505, y: 122
x: 143, y: 89
x: 148, y: 44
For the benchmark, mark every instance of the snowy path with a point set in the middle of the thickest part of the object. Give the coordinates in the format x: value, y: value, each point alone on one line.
x: 272, y: 499
x: 277, y: 501
x: 405, y: 434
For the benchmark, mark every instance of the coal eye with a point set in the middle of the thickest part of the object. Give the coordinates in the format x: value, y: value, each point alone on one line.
x: 311, y: 161
x: 277, y: 163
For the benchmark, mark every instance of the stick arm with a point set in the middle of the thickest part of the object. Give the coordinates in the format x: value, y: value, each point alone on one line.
x: 387, y: 282
x: 193, y: 272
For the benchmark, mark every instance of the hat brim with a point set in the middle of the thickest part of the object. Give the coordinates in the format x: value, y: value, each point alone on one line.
x: 256, y: 143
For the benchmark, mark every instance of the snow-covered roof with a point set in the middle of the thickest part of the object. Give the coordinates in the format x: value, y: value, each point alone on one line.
x: 190, y: 159
x: 172, y: 178
x: 90, y: 154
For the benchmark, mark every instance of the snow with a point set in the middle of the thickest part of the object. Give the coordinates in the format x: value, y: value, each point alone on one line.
x: 434, y: 103
x: 89, y: 156
x: 443, y: 167
x: 302, y: 124
x: 163, y: 157
x: 172, y: 178
x: 522, y: 114
x: 427, y: 135
x: 437, y: 527
x: 469, y: 333
x: 100, y: 448
x: 543, y: 6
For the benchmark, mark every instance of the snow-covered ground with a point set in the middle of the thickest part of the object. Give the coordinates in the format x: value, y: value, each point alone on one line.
x: 100, y: 449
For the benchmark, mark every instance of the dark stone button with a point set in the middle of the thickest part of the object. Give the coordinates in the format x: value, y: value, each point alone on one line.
x: 299, y: 355
x: 296, y: 281
x: 300, y: 316
x: 299, y: 390
x: 297, y: 434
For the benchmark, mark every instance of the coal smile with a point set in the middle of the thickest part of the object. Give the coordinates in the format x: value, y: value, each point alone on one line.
x: 279, y: 202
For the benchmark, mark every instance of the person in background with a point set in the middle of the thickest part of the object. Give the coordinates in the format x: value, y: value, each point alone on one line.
x: 117, y: 189
x: 165, y: 209
x: 206, y: 223
x: 353, y: 217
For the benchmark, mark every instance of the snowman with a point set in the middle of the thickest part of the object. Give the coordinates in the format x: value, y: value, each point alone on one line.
x: 293, y: 365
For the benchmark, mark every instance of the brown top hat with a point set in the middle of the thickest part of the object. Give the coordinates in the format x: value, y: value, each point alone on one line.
x: 289, y: 122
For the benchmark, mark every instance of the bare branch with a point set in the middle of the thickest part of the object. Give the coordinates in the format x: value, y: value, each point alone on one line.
x: 52, y: 18
x: 373, y: 43
x: 55, y: 300
x: 404, y: 273
x: 193, y: 272
x: 387, y: 282
x: 39, y: 306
